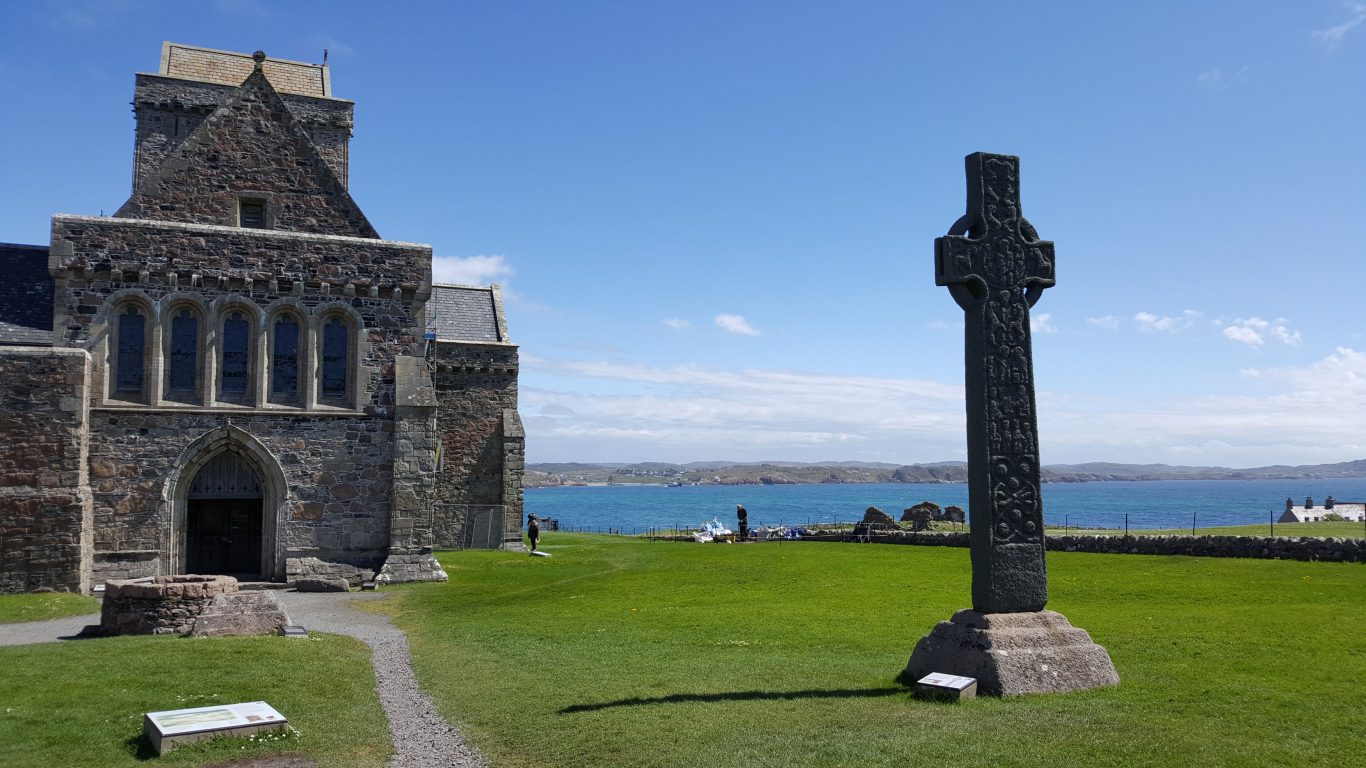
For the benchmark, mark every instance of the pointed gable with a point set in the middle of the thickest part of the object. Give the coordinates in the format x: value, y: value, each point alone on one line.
x: 250, y: 150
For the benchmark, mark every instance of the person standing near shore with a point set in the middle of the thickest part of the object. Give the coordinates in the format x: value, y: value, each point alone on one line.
x: 533, y: 530
x: 742, y: 521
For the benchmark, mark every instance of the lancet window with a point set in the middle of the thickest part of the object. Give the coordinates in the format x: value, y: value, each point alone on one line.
x: 183, y: 366
x: 336, y: 344
x: 235, y: 370
x: 130, y: 359
x: 284, y: 360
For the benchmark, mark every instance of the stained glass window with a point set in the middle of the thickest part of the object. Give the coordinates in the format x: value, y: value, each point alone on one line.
x: 132, y: 344
x: 334, y: 358
x: 184, y: 362
x: 284, y: 371
x: 236, y: 354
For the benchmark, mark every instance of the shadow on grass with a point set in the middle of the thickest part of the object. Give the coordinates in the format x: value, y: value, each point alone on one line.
x: 140, y: 747
x: 681, y: 698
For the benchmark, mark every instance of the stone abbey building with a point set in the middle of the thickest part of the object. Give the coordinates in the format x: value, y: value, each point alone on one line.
x: 234, y: 374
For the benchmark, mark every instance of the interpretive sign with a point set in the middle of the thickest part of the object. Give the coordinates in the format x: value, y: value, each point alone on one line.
x: 939, y: 685
x: 168, y: 730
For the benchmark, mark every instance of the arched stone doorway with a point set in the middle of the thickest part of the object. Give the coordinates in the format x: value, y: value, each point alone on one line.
x: 225, y: 501
x: 223, y: 519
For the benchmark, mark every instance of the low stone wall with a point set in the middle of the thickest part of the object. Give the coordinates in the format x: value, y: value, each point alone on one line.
x: 1303, y: 548
x: 162, y: 605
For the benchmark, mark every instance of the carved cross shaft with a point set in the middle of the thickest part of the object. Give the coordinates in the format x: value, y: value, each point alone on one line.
x: 996, y: 268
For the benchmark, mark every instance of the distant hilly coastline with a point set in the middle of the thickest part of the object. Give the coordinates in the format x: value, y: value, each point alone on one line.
x: 792, y: 472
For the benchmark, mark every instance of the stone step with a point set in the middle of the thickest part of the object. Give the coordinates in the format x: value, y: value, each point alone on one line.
x: 246, y: 585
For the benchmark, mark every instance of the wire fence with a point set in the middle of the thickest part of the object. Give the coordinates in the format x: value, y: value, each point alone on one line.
x: 1342, y: 523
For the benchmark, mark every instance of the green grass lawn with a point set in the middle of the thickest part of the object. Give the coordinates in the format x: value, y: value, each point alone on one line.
x: 41, y: 606
x: 80, y: 703
x: 624, y: 652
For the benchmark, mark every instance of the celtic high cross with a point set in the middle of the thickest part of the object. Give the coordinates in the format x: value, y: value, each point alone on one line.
x: 996, y: 268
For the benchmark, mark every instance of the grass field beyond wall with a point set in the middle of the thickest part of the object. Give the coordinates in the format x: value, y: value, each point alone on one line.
x: 623, y: 652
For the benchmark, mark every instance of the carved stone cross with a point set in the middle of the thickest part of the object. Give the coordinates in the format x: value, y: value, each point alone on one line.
x: 996, y: 268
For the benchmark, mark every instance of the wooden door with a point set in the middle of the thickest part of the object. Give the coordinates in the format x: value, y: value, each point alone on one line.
x: 223, y: 537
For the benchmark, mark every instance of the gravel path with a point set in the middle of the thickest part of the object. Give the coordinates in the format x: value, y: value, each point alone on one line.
x: 29, y: 632
x: 422, y: 737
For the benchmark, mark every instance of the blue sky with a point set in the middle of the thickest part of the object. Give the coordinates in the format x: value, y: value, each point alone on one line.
x: 714, y: 220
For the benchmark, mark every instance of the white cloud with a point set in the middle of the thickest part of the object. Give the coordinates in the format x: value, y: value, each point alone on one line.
x: 1040, y: 323
x: 1108, y: 322
x: 1283, y: 333
x: 609, y: 411
x: 1215, y: 78
x: 1245, y: 334
x: 471, y: 270
x: 677, y: 324
x: 690, y: 412
x: 1333, y: 36
x: 1211, y: 78
x: 1148, y: 321
x: 1254, y: 331
x: 736, y: 324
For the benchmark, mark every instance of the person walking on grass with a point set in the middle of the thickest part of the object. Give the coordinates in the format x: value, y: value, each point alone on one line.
x: 533, y: 530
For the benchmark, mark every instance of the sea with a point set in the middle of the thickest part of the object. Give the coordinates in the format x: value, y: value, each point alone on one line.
x: 1163, y: 504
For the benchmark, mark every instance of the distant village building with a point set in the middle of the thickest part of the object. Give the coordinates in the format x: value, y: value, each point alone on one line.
x: 1354, y: 511
x: 235, y: 374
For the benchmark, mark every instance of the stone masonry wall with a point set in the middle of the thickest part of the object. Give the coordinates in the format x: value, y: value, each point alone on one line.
x: 337, y: 471
x: 45, y: 509
x: 475, y: 385
x: 335, y: 463
x: 1265, y: 547
x: 168, y: 109
x: 249, y: 147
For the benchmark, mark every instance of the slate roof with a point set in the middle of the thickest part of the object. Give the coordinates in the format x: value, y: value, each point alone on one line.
x: 1350, y: 510
x: 464, y: 313
x: 25, y: 295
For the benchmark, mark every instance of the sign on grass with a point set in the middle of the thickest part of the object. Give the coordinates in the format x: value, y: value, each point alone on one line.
x: 169, y: 729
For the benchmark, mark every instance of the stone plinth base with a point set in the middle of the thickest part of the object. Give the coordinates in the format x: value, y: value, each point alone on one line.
x: 1013, y: 653
x: 403, y: 568
x: 240, y: 613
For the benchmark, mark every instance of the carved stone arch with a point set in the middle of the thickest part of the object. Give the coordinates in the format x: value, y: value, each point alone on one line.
x: 104, y: 341
x: 302, y: 393
x: 356, y: 372
x: 172, y: 305
x: 221, y: 310
x: 274, y: 494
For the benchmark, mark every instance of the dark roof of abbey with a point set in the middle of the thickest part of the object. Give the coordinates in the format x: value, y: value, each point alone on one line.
x: 466, y: 313
x: 25, y: 295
